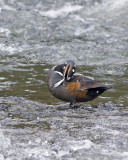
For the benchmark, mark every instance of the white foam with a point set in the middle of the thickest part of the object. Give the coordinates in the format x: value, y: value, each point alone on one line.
x: 118, y: 4
x: 68, y: 8
x: 81, y: 31
x: 27, y: 90
x: 4, y: 30
x: 74, y: 146
x: 125, y: 155
x: 11, y: 49
x: 78, y: 18
x: 108, y: 8
x: 1, y: 157
x: 4, y: 141
x: 85, y: 144
x: 3, y: 6
x: 2, y: 78
x: 122, y: 155
x: 107, y: 130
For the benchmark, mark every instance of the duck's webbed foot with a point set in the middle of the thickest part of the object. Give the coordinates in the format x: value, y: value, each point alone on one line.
x: 74, y: 105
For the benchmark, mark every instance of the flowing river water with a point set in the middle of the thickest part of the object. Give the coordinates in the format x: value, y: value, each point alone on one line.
x: 35, y: 35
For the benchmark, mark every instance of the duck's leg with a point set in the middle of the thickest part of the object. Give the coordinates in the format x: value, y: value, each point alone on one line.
x: 73, y: 105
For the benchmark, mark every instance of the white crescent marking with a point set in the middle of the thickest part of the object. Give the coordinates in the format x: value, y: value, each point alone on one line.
x: 58, y: 83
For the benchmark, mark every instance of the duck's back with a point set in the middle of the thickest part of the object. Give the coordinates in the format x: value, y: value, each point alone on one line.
x: 84, y: 88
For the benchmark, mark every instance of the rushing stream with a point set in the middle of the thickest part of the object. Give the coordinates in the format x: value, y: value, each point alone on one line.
x: 36, y: 35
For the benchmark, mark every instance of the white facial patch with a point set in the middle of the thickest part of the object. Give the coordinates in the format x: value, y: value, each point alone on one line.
x: 73, y: 70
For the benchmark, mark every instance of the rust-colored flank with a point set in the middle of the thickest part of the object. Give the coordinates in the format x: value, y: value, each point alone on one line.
x: 75, y: 89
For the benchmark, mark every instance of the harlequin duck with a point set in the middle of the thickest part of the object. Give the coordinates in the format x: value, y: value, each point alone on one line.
x: 72, y: 87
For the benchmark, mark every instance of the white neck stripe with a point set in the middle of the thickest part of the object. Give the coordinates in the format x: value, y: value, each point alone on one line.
x: 59, y: 73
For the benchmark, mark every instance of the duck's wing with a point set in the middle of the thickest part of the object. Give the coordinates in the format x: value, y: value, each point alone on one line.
x: 84, y: 88
x: 86, y: 82
x: 93, y: 87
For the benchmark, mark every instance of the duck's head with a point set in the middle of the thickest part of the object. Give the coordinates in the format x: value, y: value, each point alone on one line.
x: 68, y: 69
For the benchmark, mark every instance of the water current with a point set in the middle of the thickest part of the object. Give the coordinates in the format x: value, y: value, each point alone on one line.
x: 35, y: 35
